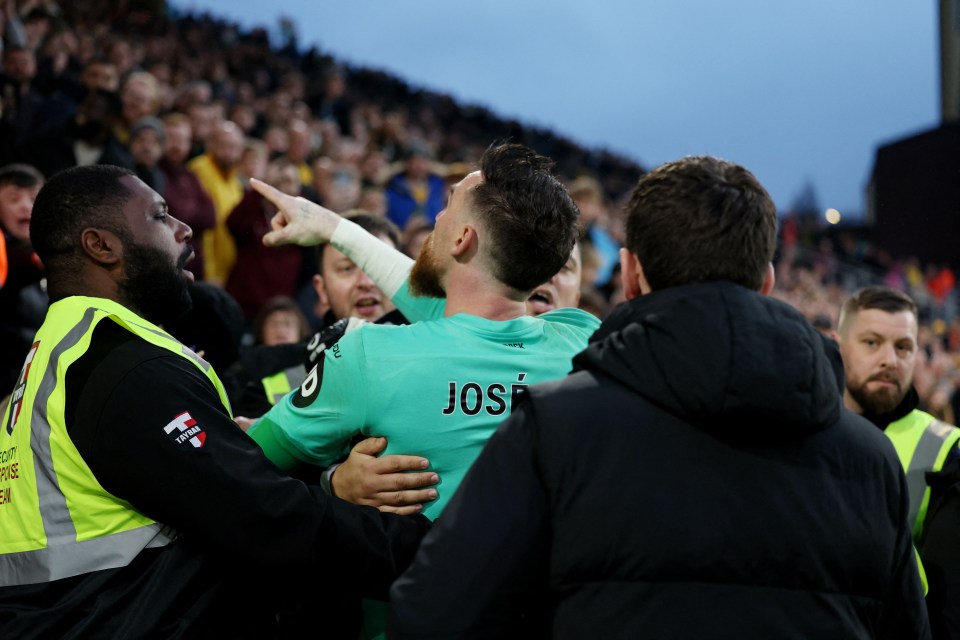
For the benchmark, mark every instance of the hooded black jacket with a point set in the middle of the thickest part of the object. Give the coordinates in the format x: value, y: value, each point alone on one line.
x: 697, y: 477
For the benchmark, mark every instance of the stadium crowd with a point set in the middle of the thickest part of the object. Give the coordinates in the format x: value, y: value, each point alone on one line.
x: 357, y: 138
x: 204, y: 113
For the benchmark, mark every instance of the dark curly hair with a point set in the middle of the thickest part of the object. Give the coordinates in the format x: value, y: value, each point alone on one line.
x: 530, y: 218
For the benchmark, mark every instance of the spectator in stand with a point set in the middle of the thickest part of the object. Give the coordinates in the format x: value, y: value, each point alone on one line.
x: 298, y: 149
x: 38, y: 23
x: 941, y: 284
x: 23, y: 300
x: 204, y: 120
x: 279, y: 322
x: 261, y: 272
x: 245, y: 116
x: 345, y: 287
x: 253, y: 161
x: 13, y: 33
x: 331, y: 105
x: 140, y: 98
x: 146, y: 149
x: 185, y: 196
x: 20, y: 101
x: 86, y: 138
x: 120, y: 53
x: 416, y: 192
x: 588, y: 195
x: 373, y: 168
x: 336, y: 184
x: 98, y: 73
x: 374, y: 200
x: 216, y: 170
x: 275, y: 137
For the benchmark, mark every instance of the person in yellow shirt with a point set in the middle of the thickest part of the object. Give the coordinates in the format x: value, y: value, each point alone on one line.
x: 217, y: 172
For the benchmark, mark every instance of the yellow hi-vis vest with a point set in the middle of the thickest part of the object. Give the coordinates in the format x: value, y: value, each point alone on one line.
x: 922, y: 443
x: 56, y: 521
x: 283, y: 382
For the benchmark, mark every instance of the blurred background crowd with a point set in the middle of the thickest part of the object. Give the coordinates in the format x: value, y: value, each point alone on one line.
x: 197, y: 106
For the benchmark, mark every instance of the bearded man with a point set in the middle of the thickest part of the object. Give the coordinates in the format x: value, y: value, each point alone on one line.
x: 132, y: 505
x: 877, y: 333
x: 439, y: 387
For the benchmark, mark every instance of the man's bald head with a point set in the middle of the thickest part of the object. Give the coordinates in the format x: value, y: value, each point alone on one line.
x: 225, y: 145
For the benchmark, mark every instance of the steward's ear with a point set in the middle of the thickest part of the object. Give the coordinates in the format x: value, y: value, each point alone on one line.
x: 102, y: 246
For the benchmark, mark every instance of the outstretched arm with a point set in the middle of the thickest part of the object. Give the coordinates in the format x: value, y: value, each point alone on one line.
x: 309, y: 426
x: 299, y: 221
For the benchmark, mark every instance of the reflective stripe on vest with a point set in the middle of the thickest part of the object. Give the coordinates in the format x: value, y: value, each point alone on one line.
x: 922, y: 443
x: 56, y: 521
x: 283, y: 382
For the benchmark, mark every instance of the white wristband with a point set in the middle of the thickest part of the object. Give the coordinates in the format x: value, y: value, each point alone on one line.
x: 386, y: 266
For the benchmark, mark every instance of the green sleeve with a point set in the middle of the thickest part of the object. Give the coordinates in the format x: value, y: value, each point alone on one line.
x: 316, y: 422
x: 264, y: 433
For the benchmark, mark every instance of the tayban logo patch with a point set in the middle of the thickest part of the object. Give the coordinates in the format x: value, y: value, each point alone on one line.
x: 184, y: 428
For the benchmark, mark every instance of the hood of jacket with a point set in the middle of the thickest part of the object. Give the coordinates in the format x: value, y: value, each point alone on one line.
x: 720, y: 356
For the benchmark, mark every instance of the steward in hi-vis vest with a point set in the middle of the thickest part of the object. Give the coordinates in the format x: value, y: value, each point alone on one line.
x: 58, y: 521
x: 878, y: 337
x: 923, y: 444
x: 132, y: 504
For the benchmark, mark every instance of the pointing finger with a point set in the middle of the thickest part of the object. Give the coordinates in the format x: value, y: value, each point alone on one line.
x: 273, y: 195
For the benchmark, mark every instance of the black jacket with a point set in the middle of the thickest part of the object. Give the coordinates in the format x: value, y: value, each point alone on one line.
x: 938, y: 544
x: 697, y: 477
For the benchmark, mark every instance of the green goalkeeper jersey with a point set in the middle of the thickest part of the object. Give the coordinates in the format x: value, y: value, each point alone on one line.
x: 435, y: 388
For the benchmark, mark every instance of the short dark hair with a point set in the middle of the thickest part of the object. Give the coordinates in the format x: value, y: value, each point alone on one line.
x: 24, y: 176
x: 374, y: 225
x: 701, y: 219
x: 528, y: 214
x: 875, y: 297
x: 72, y: 200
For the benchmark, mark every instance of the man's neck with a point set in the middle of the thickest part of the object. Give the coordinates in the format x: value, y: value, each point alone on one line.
x: 225, y: 172
x: 96, y: 284
x: 468, y: 292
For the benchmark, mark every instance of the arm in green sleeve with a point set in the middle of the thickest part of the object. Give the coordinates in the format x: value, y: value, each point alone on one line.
x: 316, y: 422
x: 264, y: 433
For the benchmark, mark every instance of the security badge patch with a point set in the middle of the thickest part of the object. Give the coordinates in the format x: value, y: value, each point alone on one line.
x: 16, y: 399
x: 187, y: 430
